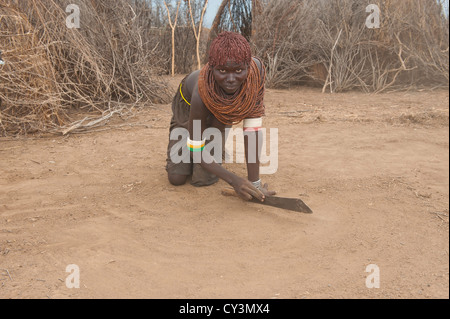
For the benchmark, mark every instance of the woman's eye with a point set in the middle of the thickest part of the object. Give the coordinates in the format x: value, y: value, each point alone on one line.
x: 222, y: 71
x: 239, y: 71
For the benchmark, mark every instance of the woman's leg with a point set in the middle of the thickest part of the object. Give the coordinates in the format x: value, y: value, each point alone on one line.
x: 177, y: 180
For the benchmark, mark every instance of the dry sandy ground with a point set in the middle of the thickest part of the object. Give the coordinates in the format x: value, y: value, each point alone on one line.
x: 374, y: 169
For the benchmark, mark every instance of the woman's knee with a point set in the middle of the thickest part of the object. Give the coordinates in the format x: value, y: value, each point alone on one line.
x: 177, y: 180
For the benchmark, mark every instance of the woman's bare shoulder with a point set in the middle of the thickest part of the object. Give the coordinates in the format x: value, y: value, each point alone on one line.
x: 192, y: 81
x: 258, y: 62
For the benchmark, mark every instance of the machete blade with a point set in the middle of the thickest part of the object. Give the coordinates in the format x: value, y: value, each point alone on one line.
x: 293, y: 204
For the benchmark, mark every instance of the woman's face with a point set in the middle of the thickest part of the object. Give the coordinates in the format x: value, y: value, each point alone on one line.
x: 230, y: 76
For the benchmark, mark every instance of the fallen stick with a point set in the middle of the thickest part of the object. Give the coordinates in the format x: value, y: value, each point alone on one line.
x: 7, y: 271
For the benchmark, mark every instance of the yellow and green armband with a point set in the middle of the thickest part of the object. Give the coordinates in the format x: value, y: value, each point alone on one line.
x: 196, y: 146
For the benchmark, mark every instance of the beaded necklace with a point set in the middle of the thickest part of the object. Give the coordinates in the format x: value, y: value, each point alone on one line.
x: 247, y: 102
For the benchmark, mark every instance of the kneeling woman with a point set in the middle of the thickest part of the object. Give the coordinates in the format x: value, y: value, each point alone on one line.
x: 225, y: 92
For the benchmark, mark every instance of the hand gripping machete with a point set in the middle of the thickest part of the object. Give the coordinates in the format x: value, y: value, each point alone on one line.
x: 293, y: 204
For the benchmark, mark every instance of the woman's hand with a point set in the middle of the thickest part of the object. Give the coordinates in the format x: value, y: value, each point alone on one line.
x: 266, y: 192
x: 246, y: 190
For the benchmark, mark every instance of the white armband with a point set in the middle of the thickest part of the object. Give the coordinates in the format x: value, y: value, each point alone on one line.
x: 254, y: 124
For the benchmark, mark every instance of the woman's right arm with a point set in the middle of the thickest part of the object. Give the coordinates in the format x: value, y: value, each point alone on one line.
x: 198, y: 115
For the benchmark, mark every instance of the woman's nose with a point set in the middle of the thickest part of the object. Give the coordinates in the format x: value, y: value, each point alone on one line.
x: 231, y: 78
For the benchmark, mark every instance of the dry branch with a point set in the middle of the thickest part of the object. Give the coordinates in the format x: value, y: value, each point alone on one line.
x: 173, y: 26
x: 198, y: 33
x: 329, y: 80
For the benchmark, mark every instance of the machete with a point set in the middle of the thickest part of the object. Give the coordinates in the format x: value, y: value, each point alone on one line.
x: 294, y: 204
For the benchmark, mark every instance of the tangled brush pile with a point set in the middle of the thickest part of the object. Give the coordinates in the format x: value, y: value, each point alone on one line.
x: 52, y: 72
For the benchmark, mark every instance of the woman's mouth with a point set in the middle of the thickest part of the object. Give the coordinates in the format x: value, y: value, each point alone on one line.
x: 231, y: 88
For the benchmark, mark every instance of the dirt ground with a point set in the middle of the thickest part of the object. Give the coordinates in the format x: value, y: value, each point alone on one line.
x: 374, y: 169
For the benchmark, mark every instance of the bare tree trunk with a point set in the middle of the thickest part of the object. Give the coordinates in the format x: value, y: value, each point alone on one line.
x: 173, y: 27
x: 198, y: 34
x: 256, y: 9
x: 330, y: 69
x: 215, y: 26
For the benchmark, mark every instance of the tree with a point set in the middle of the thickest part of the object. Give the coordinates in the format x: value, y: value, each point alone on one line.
x: 198, y: 33
x: 173, y: 27
x: 256, y: 11
x: 236, y: 16
x: 218, y: 18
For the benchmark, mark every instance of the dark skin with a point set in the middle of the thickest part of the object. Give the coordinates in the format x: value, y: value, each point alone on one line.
x: 230, y: 78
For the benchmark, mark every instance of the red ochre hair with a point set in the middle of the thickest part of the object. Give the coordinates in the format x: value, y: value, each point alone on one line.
x: 229, y: 46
